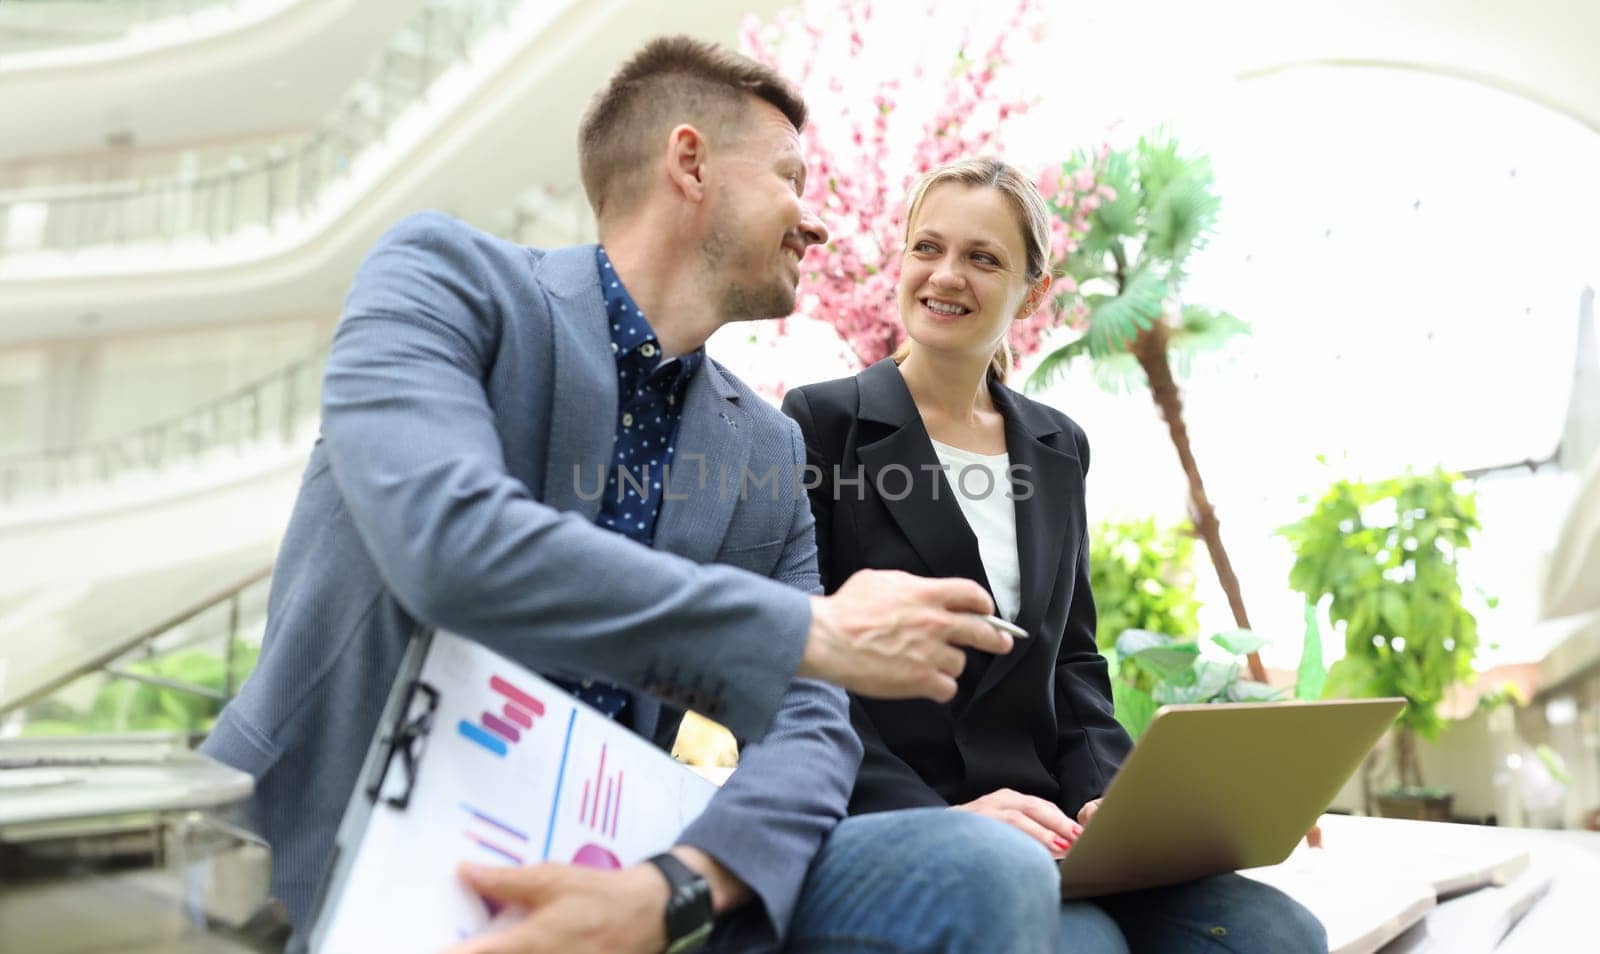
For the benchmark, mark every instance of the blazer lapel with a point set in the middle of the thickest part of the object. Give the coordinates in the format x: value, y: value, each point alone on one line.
x: 903, y: 471
x: 710, y: 454
x: 583, y: 378
x: 1045, y: 476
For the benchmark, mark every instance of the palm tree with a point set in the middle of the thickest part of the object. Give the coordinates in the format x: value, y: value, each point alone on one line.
x: 1129, y: 268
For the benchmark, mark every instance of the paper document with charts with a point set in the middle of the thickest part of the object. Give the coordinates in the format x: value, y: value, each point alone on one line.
x: 477, y: 759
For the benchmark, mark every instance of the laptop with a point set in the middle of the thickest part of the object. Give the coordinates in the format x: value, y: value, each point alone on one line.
x: 1215, y: 788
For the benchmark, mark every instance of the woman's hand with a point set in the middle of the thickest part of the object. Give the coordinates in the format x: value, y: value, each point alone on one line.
x: 1087, y: 811
x: 1040, y: 820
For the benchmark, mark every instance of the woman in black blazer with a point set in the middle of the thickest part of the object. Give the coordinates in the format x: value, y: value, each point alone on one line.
x: 928, y: 463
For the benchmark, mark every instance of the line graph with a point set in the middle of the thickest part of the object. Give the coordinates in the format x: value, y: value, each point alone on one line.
x: 493, y: 835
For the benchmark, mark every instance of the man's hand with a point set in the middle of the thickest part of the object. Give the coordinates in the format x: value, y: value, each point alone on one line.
x: 892, y: 635
x: 1087, y: 811
x: 572, y: 909
x: 1041, y: 820
x: 564, y: 904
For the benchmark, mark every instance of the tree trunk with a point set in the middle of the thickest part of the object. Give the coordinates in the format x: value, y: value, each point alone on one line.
x: 1409, y: 766
x: 1150, y: 348
x: 1369, y: 768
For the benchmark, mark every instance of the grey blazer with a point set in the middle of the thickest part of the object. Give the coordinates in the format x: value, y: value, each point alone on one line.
x: 467, y: 410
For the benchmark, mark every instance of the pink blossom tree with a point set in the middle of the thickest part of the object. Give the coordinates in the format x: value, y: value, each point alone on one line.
x: 873, y: 133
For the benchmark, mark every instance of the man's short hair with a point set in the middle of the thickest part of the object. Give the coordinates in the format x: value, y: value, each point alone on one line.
x: 673, y: 80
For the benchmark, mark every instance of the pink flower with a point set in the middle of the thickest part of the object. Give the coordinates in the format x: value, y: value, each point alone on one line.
x: 1049, y: 181
x: 865, y: 147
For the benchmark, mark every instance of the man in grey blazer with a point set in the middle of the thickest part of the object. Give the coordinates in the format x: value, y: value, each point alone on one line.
x: 476, y: 394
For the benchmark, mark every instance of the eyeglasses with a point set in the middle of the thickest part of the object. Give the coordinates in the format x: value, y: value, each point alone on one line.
x: 409, y: 739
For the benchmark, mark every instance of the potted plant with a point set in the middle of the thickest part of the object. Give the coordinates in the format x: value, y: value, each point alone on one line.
x: 1385, y: 556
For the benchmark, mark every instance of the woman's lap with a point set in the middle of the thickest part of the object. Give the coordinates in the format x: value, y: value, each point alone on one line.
x: 1087, y: 929
x: 1226, y: 912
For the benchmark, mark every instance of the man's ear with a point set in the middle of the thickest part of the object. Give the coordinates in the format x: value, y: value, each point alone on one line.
x: 686, y: 156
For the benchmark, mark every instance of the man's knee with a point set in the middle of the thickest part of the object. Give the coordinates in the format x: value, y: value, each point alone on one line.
x: 996, y: 853
x: 965, y: 882
x: 1000, y: 875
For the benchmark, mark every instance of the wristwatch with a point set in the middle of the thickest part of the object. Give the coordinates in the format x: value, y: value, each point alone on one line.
x: 688, y: 906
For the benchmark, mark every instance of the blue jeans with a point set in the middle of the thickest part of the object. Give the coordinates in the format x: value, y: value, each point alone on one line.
x: 1219, y: 914
x: 935, y: 880
x: 927, y: 880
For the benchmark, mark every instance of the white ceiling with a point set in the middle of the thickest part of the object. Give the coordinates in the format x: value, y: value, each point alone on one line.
x: 1137, y: 60
x: 519, y: 128
x: 282, y: 71
x: 277, y: 72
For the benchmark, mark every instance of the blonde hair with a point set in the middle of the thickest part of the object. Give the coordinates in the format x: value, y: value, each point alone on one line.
x: 1032, y: 215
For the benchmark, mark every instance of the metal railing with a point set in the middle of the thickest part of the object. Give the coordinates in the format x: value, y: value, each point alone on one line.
x: 219, y: 615
x: 267, y: 187
x: 232, y: 600
x: 29, y: 25
x: 271, y: 409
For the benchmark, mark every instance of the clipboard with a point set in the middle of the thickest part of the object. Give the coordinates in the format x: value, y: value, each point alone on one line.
x: 478, y: 759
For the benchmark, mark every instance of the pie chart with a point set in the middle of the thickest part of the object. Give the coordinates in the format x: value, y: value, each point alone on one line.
x: 594, y: 856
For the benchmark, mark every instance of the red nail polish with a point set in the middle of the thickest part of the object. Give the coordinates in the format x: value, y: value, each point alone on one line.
x: 1063, y: 843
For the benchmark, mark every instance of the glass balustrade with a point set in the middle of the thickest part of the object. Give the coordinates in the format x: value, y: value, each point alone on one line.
x: 29, y: 25
x: 270, y: 410
x: 264, y: 190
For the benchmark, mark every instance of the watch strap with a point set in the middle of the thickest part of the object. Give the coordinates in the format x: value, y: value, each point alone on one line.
x: 688, y: 914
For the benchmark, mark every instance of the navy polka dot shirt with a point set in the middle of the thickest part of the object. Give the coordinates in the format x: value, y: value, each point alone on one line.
x: 649, y: 403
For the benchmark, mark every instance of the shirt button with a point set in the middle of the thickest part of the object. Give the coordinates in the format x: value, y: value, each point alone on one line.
x: 627, y: 420
x: 648, y: 350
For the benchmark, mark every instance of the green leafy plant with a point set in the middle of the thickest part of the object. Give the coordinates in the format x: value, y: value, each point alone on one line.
x: 1385, y: 556
x: 128, y: 705
x: 1159, y: 207
x: 1154, y: 669
x: 1141, y: 578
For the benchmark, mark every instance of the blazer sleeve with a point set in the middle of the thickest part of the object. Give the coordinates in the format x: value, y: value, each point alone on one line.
x: 768, y: 820
x: 412, y: 443
x: 1090, y: 743
x: 888, y: 780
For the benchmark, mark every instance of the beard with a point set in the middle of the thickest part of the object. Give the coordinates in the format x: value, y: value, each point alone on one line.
x: 775, y: 299
x: 741, y: 299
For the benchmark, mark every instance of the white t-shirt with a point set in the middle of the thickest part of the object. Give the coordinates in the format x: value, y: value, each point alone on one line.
x: 984, y: 491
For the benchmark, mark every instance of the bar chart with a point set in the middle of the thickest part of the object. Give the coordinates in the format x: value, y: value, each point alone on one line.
x: 600, y: 808
x: 512, y: 712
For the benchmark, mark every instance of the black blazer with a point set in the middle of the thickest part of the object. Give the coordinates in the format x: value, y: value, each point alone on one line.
x: 1037, y: 720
